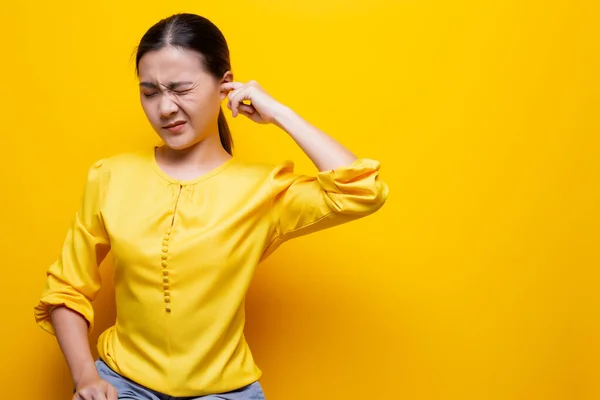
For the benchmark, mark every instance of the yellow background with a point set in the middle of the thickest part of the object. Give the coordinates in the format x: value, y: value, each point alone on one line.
x: 479, y: 278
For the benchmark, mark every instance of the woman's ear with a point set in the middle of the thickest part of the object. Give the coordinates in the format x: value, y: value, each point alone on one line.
x: 227, y: 77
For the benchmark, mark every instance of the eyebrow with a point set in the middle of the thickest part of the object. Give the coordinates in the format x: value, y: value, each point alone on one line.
x: 172, y: 85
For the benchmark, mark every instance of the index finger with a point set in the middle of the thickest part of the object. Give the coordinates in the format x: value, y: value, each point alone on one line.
x: 231, y: 85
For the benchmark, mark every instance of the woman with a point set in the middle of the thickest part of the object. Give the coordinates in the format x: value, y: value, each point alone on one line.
x: 187, y: 224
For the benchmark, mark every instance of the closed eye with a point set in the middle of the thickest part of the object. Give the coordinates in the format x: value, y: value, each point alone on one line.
x: 148, y: 95
x: 181, y: 92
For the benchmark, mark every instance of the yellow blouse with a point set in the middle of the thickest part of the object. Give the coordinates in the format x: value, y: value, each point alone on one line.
x: 184, y: 254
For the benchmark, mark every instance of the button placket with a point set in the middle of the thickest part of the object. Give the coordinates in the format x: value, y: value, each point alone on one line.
x: 164, y: 257
x: 165, y: 264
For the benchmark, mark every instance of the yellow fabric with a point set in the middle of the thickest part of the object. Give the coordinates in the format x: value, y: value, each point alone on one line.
x: 184, y: 254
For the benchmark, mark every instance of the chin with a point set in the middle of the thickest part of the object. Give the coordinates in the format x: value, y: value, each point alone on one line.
x: 179, y: 142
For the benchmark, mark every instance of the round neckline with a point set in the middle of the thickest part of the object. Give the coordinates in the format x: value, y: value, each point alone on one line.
x: 163, y: 174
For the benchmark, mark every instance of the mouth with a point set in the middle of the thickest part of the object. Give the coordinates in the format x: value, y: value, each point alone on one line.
x: 174, y: 124
x: 175, y: 127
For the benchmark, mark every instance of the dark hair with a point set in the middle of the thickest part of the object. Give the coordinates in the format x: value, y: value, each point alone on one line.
x: 192, y: 32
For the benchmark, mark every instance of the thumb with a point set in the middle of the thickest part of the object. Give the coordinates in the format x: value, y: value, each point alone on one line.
x: 111, y: 392
x: 246, y: 109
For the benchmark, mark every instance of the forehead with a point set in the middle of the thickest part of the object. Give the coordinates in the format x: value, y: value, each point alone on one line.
x: 170, y: 62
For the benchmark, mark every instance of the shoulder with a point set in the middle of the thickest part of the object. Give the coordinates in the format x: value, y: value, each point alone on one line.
x: 264, y: 170
x: 122, y: 160
x: 132, y: 162
x: 111, y: 169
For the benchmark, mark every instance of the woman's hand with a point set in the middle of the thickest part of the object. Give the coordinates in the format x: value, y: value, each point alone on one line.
x: 262, y: 108
x: 324, y: 151
x: 95, y: 388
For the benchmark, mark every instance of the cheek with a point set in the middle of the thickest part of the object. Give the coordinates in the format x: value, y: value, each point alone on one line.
x: 201, y: 107
x: 149, y: 109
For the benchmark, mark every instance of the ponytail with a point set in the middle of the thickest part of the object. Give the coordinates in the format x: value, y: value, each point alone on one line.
x: 225, y: 133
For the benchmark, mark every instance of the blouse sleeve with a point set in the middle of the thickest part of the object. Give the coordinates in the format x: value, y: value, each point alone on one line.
x: 74, y: 278
x: 305, y: 204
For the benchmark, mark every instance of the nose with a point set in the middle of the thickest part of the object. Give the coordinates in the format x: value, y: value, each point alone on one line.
x: 167, y: 107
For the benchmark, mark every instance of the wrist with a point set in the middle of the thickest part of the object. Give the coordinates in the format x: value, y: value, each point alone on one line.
x: 87, y: 374
x: 283, y: 116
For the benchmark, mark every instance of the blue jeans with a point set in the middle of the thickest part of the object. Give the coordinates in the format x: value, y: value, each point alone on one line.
x: 130, y: 390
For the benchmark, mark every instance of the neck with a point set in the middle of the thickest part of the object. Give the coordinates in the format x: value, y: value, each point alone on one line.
x: 196, y: 159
